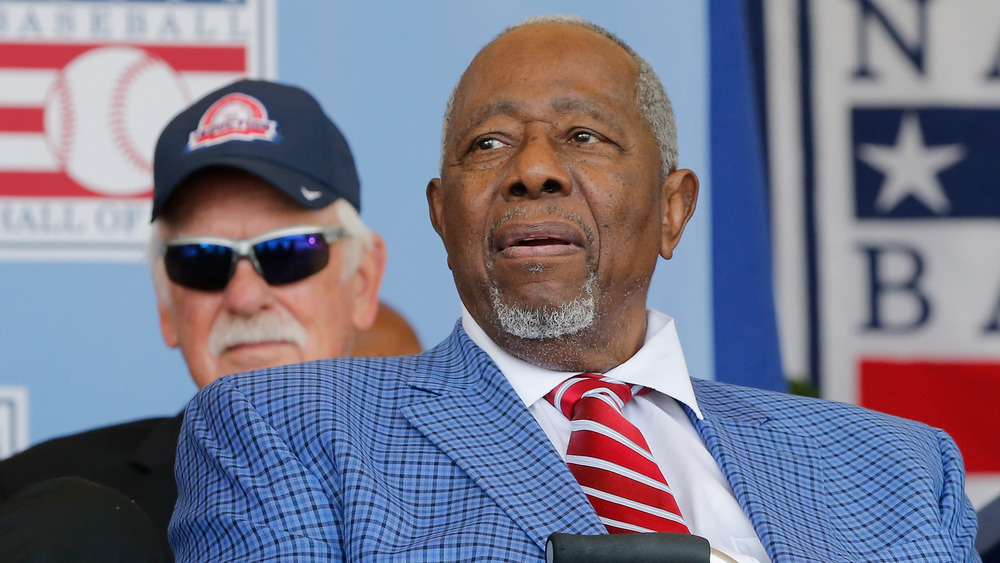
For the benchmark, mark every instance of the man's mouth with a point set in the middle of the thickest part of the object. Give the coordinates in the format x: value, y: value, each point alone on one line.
x: 256, y: 345
x: 537, y: 239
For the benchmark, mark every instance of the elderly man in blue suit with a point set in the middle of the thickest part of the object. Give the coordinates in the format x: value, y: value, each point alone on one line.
x: 559, y: 189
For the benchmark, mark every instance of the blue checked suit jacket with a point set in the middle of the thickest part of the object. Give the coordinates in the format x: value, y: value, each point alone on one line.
x: 434, y: 458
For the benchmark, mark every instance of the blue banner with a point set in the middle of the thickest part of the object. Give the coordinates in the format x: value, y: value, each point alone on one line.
x: 745, y: 326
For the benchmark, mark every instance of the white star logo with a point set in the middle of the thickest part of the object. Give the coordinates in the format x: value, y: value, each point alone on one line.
x: 911, y: 168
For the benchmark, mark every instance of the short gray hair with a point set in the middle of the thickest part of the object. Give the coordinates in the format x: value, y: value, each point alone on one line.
x: 650, y: 97
x: 359, y: 241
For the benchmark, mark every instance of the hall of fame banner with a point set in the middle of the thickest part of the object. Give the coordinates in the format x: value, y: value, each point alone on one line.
x: 85, y: 88
x: 883, y: 123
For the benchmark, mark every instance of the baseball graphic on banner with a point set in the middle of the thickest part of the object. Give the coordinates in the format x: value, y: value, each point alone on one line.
x: 103, y: 114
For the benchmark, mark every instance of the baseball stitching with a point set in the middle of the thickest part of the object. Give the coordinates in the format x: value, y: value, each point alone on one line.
x: 60, y: 147
x: 119, y: 130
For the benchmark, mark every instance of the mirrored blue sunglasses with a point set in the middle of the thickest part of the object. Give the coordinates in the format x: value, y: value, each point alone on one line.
x: 280, y: 257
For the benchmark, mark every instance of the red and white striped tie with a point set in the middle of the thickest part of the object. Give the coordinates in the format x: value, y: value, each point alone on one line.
x: 611, y: 460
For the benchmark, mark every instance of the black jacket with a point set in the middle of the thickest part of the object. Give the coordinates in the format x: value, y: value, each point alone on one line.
x: 135, y: 458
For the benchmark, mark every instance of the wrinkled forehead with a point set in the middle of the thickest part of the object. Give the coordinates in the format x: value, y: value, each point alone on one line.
x: 221, y: 187
x: 551, y: 54
x: 565, y: 40
x: 234, y: 205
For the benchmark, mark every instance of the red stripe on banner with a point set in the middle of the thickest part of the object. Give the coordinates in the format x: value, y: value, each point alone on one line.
x: 48, y: 184
x: 209, y: 59
x: 22, y: 120
x: 34, y: 55
x: 182, y: 58
x: 959, y: 397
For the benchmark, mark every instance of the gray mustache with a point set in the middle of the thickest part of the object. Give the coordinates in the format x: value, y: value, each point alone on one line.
x: 269, y: 326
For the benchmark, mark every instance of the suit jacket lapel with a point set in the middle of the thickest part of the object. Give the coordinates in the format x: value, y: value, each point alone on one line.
x: 773, y: 471
x: 476, y: 418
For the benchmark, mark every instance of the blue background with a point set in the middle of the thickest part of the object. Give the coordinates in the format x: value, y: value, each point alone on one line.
x: 84, y: 337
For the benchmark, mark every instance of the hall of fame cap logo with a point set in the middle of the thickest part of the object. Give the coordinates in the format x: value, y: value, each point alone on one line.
x: 234, y: 117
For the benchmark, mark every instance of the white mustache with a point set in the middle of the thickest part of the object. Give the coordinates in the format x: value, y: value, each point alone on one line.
x: 270, y: 326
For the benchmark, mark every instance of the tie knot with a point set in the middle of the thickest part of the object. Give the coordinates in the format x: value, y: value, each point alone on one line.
x: 567, y: 395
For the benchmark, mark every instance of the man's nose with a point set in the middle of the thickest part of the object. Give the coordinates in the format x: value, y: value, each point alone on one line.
x: 538, y: 170
x: 247, y: 292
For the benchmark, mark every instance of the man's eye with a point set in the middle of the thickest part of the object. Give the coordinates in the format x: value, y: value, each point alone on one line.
x: 487, y: 144
x: 583, y: 137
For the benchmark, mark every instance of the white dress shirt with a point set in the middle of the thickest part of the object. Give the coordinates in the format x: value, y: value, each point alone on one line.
x: 704, y: 496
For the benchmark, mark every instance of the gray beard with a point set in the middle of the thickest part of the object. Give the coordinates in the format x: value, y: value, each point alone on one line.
x: 550, y: 321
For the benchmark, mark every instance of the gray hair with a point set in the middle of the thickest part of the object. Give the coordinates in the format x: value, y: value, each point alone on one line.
x: 358, y: 242
x: 650, y: 97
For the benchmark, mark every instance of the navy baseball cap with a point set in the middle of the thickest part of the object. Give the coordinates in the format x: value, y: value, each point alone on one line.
x: 273, y: 131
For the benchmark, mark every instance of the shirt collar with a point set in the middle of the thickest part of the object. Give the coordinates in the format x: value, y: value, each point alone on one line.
x: 659, y: 364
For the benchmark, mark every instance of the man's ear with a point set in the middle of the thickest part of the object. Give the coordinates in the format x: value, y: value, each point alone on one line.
x: 366, y: 282
x: 434, y: 206
x: 168, y: 328
x: 680, y: 194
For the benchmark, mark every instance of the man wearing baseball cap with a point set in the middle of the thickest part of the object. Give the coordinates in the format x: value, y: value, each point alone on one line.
x: 259, y: 259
